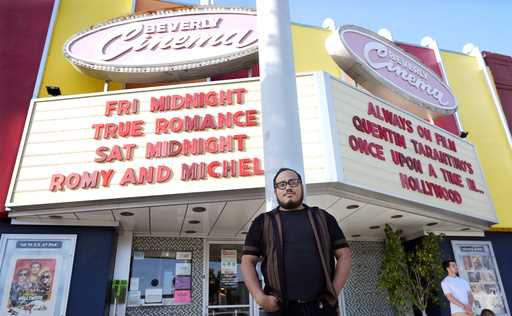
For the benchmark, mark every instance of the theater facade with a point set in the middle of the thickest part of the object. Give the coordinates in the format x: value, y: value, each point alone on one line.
x: 142, y: 181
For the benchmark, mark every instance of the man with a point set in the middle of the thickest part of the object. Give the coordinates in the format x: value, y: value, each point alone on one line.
x: 298, y: 245
x: 35, y: 269
x: 20, y: 288
x: 44, y: 285
x: 457, y: 291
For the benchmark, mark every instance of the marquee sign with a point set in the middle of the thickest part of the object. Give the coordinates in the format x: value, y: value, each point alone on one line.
x: 167, y: 45
x: 164, y: 142
x: 387, y: 150
x: 387, y: 71
x: 159, y: 142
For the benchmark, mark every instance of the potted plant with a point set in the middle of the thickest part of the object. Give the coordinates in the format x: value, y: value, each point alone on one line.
x: 411, y: 278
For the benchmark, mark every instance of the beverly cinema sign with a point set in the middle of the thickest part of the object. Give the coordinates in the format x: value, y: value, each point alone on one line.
x: 167, y: 45
x: 388, y: 72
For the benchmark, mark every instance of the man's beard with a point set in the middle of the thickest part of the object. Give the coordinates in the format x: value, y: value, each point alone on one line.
x: 291, y: 204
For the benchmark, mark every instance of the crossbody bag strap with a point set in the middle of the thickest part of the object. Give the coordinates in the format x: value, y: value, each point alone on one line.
x: 270, y: 254
x: 323, y: 257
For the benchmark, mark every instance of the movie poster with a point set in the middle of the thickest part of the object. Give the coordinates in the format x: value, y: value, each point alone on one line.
x: 478, y: 266
x: 31, y: 287
x: 35, y: 274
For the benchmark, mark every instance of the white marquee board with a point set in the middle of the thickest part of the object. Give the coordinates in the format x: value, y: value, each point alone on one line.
x: 367, y: 161
x: 60, y: 139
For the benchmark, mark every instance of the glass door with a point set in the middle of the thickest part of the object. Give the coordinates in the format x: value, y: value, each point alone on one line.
x: 227, y: 294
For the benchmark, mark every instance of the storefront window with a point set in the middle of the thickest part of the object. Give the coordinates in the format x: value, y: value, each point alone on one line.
x: 160, y: 277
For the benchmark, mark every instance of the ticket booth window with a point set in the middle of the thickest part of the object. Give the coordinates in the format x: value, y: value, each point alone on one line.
x: 160, y: 277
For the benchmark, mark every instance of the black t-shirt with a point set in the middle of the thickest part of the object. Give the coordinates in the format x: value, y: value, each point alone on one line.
x: 304, y: 277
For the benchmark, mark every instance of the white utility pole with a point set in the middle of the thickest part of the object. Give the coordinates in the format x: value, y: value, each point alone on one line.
x: 280, y: 112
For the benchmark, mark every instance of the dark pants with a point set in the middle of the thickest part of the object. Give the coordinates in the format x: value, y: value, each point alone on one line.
x: 316, y: 308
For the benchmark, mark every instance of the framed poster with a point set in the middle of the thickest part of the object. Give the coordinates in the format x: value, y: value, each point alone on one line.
x: 35, y: 273
x: 477, y: 265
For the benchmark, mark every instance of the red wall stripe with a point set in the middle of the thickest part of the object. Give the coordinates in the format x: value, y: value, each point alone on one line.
x: 428, y: 57
x: 501, y: 68
x: 23, y: 33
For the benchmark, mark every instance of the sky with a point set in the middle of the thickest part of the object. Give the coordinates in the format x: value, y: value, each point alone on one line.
x: 452, y: 23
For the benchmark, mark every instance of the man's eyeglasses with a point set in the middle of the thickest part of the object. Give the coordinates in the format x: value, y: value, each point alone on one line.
x: 283, y: 184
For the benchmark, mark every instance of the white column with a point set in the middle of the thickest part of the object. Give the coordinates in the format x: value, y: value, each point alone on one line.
x: 122, y: 265
x: 280, y: 113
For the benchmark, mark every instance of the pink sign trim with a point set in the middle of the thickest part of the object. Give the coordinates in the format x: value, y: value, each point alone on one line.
x: 166, y: 41
x: 397, y: 70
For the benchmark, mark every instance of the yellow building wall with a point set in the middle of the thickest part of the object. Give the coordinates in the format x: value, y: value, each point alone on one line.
x: 309, y: 51
x: 480, y: 118
x: 74, y: 16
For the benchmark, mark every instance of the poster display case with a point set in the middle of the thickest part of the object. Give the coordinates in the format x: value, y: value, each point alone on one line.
x: 477, y: 264
x: 35, y: 274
